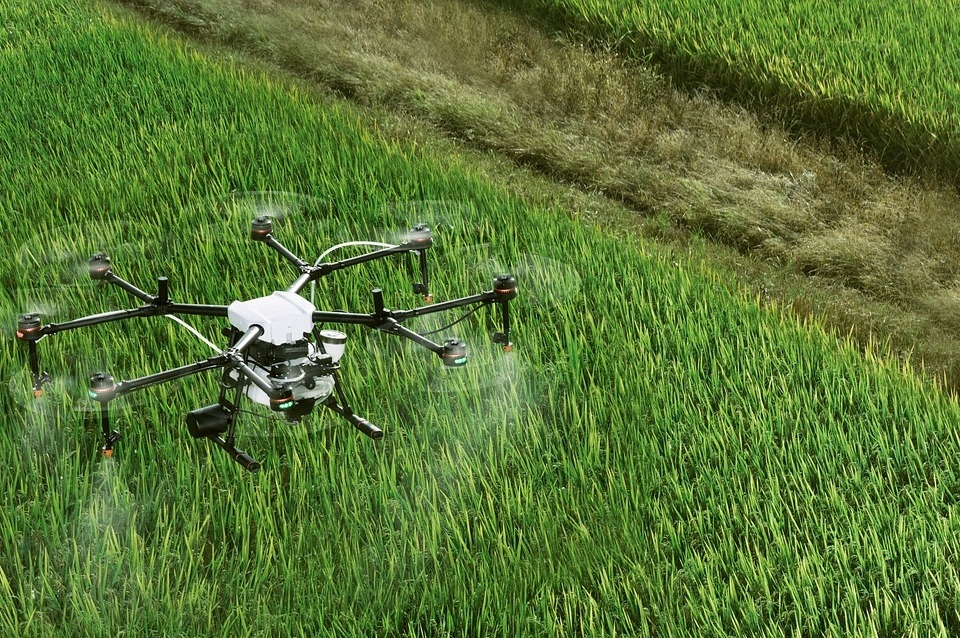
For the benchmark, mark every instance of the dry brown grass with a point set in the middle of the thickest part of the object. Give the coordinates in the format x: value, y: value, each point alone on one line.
x: 879, y: 255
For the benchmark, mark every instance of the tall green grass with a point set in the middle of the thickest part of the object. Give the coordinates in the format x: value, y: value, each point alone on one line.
x: 883, y: 73
x: 659, y: 457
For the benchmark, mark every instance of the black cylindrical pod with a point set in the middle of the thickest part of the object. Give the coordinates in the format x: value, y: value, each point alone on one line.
x: 208, y: 421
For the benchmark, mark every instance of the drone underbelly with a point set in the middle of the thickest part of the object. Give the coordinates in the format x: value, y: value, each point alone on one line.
x: 305, y: 386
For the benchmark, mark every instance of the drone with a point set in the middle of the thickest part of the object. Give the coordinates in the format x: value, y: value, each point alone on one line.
x: 280, y: 353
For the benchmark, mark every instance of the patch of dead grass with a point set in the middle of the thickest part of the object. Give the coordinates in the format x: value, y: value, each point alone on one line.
x: 496, y: 81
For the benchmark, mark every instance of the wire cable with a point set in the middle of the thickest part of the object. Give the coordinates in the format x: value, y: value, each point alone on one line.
x: 195, y: 332
x: 351, y: 243
x: 376, y: 244
x: 452, y: 323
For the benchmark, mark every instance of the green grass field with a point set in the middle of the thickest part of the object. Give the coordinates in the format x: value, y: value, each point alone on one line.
x: 881, y: 73
x: 660, y: 456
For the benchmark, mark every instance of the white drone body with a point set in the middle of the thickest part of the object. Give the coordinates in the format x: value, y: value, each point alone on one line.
x: 284, y: 316
x: 287, y: 319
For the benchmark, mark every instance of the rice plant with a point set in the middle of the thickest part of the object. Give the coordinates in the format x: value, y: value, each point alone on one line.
x: 660, y: 456
x: 881, y: 73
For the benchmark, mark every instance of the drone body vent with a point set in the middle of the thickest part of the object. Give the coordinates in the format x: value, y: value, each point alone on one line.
x: 284, y: 316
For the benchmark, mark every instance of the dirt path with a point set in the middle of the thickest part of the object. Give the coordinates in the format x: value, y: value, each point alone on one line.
x: 820, y: 230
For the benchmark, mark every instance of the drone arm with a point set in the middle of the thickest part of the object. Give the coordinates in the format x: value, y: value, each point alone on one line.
x: 350, y: 318
x: 119, y: 315
x: 504, y: 289
x: 261, y: 230
x: 481, y: 298
x: 380, y: 315
x: 272, y: 242
x: 406, y: 247
x: 392, y: 326
x: 111, y: 278
x: 200, y: 310
x: 160, y: 303
x: 93, y: 320
x: 103, y: 389
x: 259, y: 381
x: 100, y: 269
x: 132, y: 385
x: 324, y: 269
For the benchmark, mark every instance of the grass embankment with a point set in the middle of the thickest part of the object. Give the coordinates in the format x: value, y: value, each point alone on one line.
x: 826, y: 232
x: 882, y: 74
x: 660, y: 457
